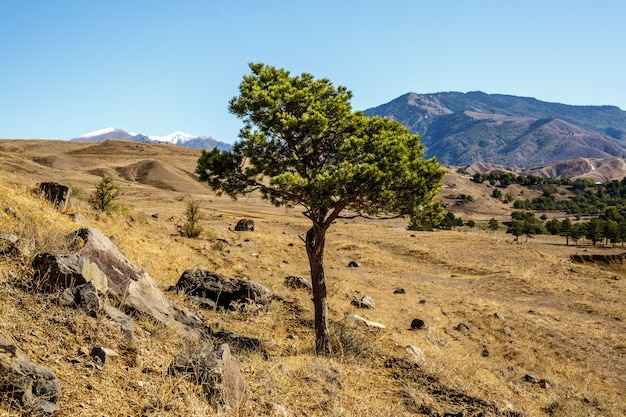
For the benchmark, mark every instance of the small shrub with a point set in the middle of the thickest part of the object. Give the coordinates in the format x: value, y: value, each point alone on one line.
x: 192, y: 228
x: 107, y: 190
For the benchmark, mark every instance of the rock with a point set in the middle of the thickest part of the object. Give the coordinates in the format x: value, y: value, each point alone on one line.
x: 354, y: 264
x: 417, y: 324
x: 453, y: 412
x: 245, y: 225
x: 415, y: 354
x: 35, y: 386
x: 231, y: 293
x: 103, y: 355
x: 87, y: 299
x: 215, y: 370
x: 201, y: 302
x: 498, y: 316
x: 8, y: 244
x: 233, y: 339
x: 133, y: 287
x: 363, y: 302
x: 462, y: 326
x: 507, y: 331
x: 57, y: 194
x: 78, y: 218
x: 67, y: 298
x: 399, y: 291
x: 57, y: 272
x: 354, y: 318
x: 328, y: 375
x: 530, y: 378
x: 127, y: 324
x: 298, y: 282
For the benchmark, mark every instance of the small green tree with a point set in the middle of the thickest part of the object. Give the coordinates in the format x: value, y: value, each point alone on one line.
x: 191, y: 228
x: 302, y: 145
x: 106, y: 191
x: 493, y: 225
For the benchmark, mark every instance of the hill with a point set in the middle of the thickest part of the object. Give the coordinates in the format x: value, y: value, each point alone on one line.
x: 510, y: 329
x: 464, y: 128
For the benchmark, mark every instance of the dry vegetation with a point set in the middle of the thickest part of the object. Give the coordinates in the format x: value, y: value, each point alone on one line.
x: 560, y: 322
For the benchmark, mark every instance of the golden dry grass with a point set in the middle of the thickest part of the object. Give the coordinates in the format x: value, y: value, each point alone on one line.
x: 565, y: 321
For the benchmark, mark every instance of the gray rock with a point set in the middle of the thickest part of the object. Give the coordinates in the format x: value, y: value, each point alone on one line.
x: 462, y: 326
x: 355, y: 318
x: 298, y: 282
x: 35, y: 386
x: 245, y: 225
x: 127, y: 324
x: 363, y: 302
x: 216, y: 371
x: 417, y: 324
x: 230, y: 293
x: 87, y: 299
x: 103, y: 355
x: 57, y: 272
x: 354, y: 264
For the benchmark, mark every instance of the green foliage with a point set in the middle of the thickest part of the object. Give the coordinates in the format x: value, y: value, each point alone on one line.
x: 107, y: 190
x: 497, y: 194
x: 449, y: 221
x: 191, y: 228
x: 525, y: 223
x: 493, y: 224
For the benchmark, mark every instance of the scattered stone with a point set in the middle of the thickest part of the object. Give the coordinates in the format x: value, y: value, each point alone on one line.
x: 231, y: 293
x: 127, y: 325
x: 78, y: 218
x: 399, y: 291
x: 35, y: 386
x: 67, y: 298
x: 498, y: 316
x: 544, y: 384
x: 245, y: 225
x: 485, y: 353
x: 415, y: 354
x: 298, y: 282
x: 453, y: 412
x: 354, y: 318
x: 279, y: 410
x: 201, y: 302
x: 223, y: 240
x: 8, y: 244
x: 155, y: 216
x: 233, y: 339
x: 354, y: 264
x: 463, y: 326
x: 328, y: 375
x: 507, y: 331
x: 57, y: 194
x: 421, y: 302
x: 363, y: 302
x: 103, y: 355
x: 615, y: 278
x: 86, y: 298
x: 417, y: 324
x: 530, y: 378
x: 216, y: 371
x: 454, y: 275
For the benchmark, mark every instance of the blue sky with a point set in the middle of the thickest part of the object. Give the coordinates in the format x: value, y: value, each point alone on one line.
x: 155, y: 67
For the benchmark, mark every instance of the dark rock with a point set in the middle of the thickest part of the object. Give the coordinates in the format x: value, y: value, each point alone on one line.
x: 216, y: 371
x: 35, y: 386
x: 103, y: 355
x: 485, y: 353
x: 87, y: 299
x: 57, y: 194
x: 363, y: 302
x: 231, y: 293
x: 417, y: 324
x: 463, y: 326
x: 399, y: 291
x: 544, y: 384
x: 233, y: 339
x: 127, y: 324
x: 298, y: 282
x: 201, y: 302
x: 530, y: 378
x: 354, y: 264
x: 245, y: 225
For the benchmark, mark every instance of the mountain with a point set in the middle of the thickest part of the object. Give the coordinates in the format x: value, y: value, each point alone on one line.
x: 465, y: 128
x: 177, y: 138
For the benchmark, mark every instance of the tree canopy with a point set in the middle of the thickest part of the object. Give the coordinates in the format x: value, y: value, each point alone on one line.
x: 303, y: 145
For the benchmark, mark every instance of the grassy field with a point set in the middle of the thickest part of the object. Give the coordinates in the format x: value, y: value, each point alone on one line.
x: 544, y: 336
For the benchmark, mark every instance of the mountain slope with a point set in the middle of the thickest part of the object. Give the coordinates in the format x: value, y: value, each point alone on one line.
x: 463, y: 128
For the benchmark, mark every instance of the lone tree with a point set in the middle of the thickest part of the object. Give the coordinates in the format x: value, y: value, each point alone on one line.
x: 106, y: 191
x: 302, y: 144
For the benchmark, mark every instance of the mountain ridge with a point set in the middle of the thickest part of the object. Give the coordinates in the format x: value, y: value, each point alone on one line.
x: 464, y: 128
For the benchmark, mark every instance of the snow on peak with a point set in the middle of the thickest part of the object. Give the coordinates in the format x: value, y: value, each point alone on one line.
x: 175, y: 137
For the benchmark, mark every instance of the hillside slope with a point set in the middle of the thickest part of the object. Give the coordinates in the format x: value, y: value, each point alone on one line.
x: 554, y: 348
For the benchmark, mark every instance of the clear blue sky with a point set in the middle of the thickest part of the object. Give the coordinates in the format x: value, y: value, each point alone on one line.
x: 154, y: 67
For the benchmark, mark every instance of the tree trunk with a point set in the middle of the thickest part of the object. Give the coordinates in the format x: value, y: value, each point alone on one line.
x: 315, y: 239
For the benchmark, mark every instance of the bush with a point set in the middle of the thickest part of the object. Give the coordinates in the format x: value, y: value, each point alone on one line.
x: 107, y: 190
x: 192, y: 227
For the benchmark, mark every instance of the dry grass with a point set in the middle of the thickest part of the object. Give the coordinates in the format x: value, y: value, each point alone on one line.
x: 565, y: 321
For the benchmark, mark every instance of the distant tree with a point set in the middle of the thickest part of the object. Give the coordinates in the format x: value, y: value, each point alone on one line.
x: 496, y: 193
x: 106, y: 191
x: 593, y: 230
x: 566, y: 230
x: 478, y: 178
x: 554, y: 226
x: 525, y: 223
x: 493, y: 225
x: 302, y: 144
x: 450, y: 220
x: 471, y: 223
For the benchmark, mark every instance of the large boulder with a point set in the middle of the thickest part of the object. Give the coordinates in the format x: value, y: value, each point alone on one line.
x: 245, y: 225
x: 35, y: 386
x: 134, y: 287
x: 230, y: 293
x: 58, y: 272
x: 215, y: 370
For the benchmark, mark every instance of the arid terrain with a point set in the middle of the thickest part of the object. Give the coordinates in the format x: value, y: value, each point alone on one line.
x: 511, y: 329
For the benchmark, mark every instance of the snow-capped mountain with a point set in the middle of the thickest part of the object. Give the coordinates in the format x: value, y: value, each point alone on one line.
x: 177, y: 138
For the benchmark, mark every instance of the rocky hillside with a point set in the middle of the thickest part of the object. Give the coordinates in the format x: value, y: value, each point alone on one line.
x: 461, y: 129
x: 448, y: 323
